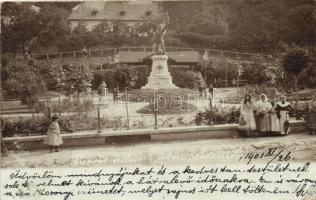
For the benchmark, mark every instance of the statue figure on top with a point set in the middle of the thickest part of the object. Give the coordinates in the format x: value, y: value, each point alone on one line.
x: 160, y: 34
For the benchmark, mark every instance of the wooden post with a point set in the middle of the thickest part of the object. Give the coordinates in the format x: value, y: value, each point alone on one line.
x: 155, y: 113
x: 237, y: 82
x: 296, y: 96
x: 59, y: 104
x: 226, y: 74
x: 49, y: 113
x: 127, y: 115
x: 99, y: 120
x: 156, y: 120
x: 211, y: 109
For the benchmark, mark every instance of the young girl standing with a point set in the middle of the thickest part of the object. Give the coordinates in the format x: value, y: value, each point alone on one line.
x: 53, y: 135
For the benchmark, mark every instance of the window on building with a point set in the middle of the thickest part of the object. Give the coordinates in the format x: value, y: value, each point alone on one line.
x: 94, y: 12
x: 122, y: 13
x: 148, y: 13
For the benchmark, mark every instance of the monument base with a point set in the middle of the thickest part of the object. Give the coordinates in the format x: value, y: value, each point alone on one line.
x: 159, y: 76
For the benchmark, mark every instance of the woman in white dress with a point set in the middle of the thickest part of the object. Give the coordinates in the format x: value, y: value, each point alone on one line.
x: 54, y: 138
x: 247, y: 123
x: 262, y: 112
x: 275, y: 120
x: 283, y: 107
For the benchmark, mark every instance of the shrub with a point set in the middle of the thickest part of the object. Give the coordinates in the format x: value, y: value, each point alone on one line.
x: 25, y: 128
x: 199, y: 118
x: 186, y: 78
x: 219, y: 116
x: 29, y: 127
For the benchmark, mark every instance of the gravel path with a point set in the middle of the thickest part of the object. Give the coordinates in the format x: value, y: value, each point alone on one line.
x: 212, y: 151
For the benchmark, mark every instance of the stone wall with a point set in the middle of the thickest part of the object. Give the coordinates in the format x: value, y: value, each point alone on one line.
x: 92, y: 138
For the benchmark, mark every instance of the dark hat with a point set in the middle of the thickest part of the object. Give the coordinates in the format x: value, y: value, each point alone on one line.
x: 54, y: 117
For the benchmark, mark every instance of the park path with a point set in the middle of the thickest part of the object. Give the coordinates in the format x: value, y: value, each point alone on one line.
x: 210, y: 151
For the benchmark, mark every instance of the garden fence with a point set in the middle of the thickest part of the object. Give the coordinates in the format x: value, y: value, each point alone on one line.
x: 122, y: 116
x: 113, y: 51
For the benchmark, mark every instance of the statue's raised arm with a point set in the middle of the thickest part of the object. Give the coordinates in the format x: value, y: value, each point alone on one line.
x: 160, y: 34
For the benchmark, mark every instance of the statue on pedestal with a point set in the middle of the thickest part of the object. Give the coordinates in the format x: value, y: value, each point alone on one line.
x: 101, y: 102
x: 102, y: 89
x: 160, y: 76
x: 160, y: 34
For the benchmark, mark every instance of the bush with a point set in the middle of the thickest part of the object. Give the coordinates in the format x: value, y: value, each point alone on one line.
x: 22, y: 81
x: 186, y: 78
x: 199, y: 118
x: 219, y: 116
x: 30, y: 127
x: 295, y: 61
x: 25, y: 128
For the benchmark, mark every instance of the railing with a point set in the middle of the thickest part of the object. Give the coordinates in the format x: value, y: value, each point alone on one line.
x: 230, y: 83
x: 112, y: 51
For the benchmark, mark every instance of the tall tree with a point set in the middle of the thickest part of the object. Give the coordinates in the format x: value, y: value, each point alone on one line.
x: 74, y: 79
x: 24, y: 25
x: 23, y: 81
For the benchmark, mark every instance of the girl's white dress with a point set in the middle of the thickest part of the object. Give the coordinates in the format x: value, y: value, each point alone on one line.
x: 275, y: 121
x: 262, y: 110
x: 283, y: 109
x: 247, y: 112
x: 53, y: 134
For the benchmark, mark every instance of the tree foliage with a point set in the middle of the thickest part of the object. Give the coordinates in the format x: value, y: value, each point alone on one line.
x: 262, y: 71
x: 23, y: 81
x: 24, y: 26
x: 255, y: 26
x: 74, y: 79
x: 295, y: 61
x: 56, y: 76
x: 251, y: 26
x: 300, y: 62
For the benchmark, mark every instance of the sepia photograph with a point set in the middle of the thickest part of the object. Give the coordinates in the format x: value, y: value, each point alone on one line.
x: 158, y: 99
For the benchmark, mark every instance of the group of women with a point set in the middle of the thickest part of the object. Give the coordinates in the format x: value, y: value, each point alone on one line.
x: 264, y: 118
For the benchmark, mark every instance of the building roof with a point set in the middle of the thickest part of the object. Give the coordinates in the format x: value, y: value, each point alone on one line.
x: 116, y: 10
x: 175, y: 56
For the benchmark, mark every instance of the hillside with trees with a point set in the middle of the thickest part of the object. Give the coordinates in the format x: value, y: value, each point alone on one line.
x: 267, y: 26
x: 284, y: 29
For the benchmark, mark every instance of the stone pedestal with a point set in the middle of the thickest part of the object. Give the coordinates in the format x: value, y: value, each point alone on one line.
x: 159, y: 76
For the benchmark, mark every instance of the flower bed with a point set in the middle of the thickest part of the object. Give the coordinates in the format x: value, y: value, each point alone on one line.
x: 218, y: 115
x: 146, y: 95
x: 168, y: 108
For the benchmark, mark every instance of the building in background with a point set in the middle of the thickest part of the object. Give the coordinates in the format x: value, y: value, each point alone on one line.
x: 122, y: 16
